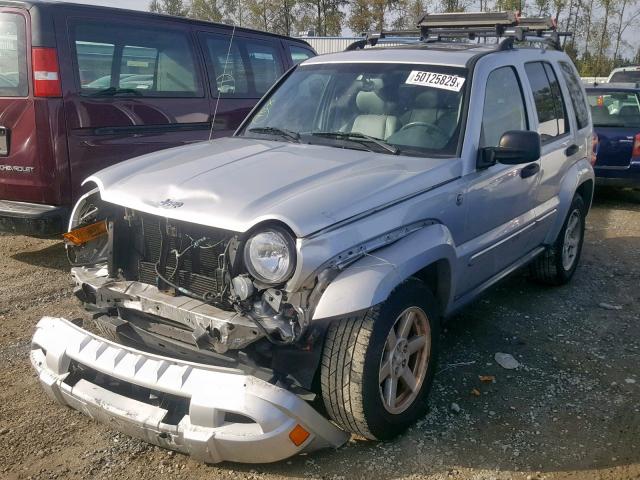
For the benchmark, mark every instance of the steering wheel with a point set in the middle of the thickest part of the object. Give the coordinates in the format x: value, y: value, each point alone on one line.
x: 429, y: 126
x: 226, y: 83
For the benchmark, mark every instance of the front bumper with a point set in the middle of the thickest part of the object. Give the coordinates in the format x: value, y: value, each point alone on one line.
x: 217, y: 397
x: 32, y: 219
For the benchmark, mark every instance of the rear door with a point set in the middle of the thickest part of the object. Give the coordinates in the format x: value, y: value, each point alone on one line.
x: 560, y: 144
x: 241, y: 68
x: 131, y: 87
x: 27, y: 165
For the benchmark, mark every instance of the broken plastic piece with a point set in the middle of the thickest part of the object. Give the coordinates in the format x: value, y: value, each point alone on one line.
x: 82, y: 235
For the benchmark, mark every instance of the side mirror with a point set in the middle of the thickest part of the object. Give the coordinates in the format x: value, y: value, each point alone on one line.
x: 515, y: 147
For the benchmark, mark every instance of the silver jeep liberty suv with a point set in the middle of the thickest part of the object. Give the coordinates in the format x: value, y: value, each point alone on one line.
x: 262, y: 295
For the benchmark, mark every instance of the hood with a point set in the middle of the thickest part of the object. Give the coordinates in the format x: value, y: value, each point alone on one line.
x: 236, y: 183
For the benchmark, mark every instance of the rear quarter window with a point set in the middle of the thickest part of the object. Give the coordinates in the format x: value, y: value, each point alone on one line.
x: 13, y: 56
x: 136, y: 60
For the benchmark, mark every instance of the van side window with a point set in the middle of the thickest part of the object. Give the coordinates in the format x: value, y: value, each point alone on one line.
x: 265, y: 65
x: 299, y: 54
x: 552, y: 114
x: 504, y: 109
x: 577, y: 97
x: 243, y: 68
x: 140, y: 61
x: 13, y: 56
x: 227, y: 64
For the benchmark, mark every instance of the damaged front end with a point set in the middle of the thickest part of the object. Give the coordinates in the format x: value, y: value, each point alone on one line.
x: 187, y: 300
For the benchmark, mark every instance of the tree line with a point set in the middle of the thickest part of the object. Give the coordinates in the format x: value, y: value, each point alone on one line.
x: 601, y: 28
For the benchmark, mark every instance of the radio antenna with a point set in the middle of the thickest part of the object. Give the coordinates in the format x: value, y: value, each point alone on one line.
x: 224, y: 75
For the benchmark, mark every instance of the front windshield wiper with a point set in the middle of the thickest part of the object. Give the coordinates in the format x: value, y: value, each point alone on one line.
x: 361, y: 138
x: 282, y: 132
x: 113, y: 91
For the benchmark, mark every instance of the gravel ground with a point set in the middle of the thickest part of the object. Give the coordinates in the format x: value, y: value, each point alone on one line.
x: 571, y: 410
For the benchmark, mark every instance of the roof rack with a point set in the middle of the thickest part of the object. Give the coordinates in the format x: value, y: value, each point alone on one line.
x: 506, y: 27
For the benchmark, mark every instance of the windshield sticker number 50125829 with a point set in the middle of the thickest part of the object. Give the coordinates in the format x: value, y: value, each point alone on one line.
x: 436, y: 80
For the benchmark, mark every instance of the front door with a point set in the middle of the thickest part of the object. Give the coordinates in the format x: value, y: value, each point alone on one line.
x: 500, y: 199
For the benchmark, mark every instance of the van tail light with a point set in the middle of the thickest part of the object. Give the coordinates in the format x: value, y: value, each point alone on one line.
x: 636, y: 146
x: 46, y: 73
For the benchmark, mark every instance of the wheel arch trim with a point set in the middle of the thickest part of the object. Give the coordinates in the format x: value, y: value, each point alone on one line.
x: 577, y: 177
x: 428, y: 253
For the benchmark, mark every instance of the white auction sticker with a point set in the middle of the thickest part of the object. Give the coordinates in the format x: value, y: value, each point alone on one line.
x: 436, y: 80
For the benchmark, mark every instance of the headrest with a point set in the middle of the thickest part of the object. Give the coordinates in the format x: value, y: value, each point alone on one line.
x: 372, y: 84
x: 370, y: 103
x: 628, y: 111
x: 427, y: 99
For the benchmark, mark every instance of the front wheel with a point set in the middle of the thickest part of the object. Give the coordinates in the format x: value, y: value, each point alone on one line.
x: 377, y: 368
x: 558, y: 263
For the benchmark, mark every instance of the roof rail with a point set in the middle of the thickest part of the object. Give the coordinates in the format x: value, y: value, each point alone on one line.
x: 507, y: 27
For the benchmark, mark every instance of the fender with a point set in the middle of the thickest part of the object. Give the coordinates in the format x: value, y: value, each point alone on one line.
x: 579, y: 173
x: 370, y: 280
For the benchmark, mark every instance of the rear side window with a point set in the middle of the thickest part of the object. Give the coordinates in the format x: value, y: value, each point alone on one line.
x: 503, y: 106
x: 577, y: 97
x: 244, y: 68
x: 13, y: 56
x: 139, y: 61
x: 299, y: 54
x: 552, y: 118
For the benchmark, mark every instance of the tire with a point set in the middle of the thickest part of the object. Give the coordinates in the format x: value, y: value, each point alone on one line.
x: 352, y: 361
x: 551, y: 267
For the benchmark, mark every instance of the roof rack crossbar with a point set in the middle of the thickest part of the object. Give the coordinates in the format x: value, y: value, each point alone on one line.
x: 507, y: 27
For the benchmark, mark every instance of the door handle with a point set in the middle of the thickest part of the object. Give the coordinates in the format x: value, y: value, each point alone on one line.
x: 530, y: 170
x: 571, y: 150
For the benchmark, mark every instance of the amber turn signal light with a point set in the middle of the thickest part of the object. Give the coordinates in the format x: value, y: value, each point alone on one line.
x: 298, y: 435
x: 85, y: 234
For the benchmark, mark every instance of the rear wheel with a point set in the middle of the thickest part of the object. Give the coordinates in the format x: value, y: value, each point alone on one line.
x: 377, y: 368
x: 559, y: 262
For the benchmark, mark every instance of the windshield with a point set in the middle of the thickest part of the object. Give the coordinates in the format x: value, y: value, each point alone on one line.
x: 387, y: 108
x: 614, y: 109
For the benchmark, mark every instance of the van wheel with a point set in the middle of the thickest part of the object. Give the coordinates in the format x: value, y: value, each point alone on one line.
x: 377, y: 368
x: 558, y: 263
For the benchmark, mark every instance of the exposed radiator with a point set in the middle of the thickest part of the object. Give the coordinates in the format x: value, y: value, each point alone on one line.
x: 200, y: 269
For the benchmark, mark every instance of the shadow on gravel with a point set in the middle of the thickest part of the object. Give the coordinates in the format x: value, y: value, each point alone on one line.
x: 625, y: 198
x: 53, y: 257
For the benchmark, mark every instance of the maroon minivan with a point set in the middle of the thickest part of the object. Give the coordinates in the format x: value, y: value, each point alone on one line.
x: 83, y: 87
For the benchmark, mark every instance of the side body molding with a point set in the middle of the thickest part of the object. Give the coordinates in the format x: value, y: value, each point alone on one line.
x: 371, y: 279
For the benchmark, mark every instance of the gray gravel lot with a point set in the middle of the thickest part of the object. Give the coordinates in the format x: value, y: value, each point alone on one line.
x: 571, y: 410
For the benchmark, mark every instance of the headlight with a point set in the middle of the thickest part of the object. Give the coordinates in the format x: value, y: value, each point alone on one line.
x: 270, y: 256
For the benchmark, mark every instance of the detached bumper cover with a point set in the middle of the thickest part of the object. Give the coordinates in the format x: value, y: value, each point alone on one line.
x: 215, y: 395
x: 32, y: 218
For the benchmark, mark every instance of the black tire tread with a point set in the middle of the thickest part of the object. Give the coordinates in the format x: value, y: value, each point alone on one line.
x: 546, y: 268
x: 343, y: 361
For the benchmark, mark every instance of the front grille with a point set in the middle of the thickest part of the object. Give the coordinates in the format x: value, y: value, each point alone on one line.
x: 200, y: 269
